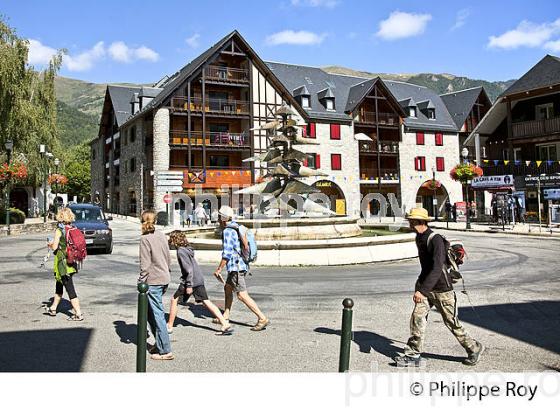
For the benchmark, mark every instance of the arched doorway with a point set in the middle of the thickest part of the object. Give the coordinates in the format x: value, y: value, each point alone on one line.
x: 428, y: 192
x: 335, y: 194
x: 19, y: 198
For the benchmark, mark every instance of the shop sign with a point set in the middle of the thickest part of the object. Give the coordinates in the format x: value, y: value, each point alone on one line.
x: 551, y: 181
x: 323, y: 184
x: 494, y: 181
x: 551, y: 194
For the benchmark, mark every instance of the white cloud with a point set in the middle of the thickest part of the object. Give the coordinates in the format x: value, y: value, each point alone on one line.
x: 300, y: 38
x: 120, y: 52
x: 553, y: 46
x: 85, y: 60
x: 402, y: 25
x: 316, y: 3
x: 462, y: 16
x: 193, y: 41
x: 39, y: 53
x: 526, y: 34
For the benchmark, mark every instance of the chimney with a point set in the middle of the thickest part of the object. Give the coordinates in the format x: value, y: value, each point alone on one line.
x: 134, y: 104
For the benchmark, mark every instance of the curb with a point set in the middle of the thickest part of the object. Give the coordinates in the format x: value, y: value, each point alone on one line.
x: 23, y: 229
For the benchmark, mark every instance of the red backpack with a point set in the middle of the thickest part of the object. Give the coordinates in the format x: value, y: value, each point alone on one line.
x: 76, y: 250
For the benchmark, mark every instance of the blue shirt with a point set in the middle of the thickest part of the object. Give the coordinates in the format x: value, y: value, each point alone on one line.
x: 231, y: 250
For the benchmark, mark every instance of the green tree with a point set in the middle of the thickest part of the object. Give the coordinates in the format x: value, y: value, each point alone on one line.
x: 27, y: 102
x: 76, y: 166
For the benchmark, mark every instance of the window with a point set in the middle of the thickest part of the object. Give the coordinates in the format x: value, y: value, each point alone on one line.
x: 305, y: 102
x: 420, y: 163
x: 335, y: 131
x: 547, y: 153
x: 336, y: 162
x: 329, y: 104
x: 505, y: 154
x: 517, y: 154
x: 312, y: 161
x: 412, y: 112
x: 440, y: 164
x: 439, y: 138
x: 431, y: 113
x: 544, y: 111
x: 311, y: 130
x: 132, y: 135
x: 133, y: 165
x: 419, y: 138
x: 219, y: 161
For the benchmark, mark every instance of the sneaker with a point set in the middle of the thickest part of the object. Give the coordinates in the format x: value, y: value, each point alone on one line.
x: 474, y: 357
x: 408, y: 361
x: 169, y: 330
x: 261, y: 325
x: 166, y: 356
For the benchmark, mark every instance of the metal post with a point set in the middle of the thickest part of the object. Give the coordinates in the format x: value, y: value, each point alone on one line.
x: 345, y: 335
x: 45, y: 192
x: 539, y: 199
x: 468, y: 207
x: 9, y: 154
x: 142, y: 328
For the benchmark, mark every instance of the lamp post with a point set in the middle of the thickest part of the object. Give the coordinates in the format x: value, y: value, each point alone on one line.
x: 9, y: 147
x: 465, y: 155
x: 56, y: 164
x: 434, y: 199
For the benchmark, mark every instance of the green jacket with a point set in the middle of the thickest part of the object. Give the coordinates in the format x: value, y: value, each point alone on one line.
x: 61, y: 268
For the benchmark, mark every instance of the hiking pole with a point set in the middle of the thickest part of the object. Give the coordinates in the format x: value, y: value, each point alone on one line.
x: 345, y: 335
x: 142, y: 328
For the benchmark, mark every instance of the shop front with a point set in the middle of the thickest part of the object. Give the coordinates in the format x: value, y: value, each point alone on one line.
x: 540, y: 193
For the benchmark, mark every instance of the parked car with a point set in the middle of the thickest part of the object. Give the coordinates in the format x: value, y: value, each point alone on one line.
x: 91, y: 220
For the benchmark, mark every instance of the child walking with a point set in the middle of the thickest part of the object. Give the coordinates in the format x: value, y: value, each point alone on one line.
x: 192, y: 283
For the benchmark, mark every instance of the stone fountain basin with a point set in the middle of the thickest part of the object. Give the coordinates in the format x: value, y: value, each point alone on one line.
x: 325, y: 252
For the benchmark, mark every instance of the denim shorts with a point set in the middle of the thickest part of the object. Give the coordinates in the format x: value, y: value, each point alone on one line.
x: 237, y: 281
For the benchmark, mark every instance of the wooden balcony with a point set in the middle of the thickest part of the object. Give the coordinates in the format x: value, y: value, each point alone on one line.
x: 212, y: 106
x: 385, y: 147
x: 535, y: 128
x: 386, y: 119
x: 371, y: 175
x: 210, y: 139
x: 226, y: 74
x: 214, y: 177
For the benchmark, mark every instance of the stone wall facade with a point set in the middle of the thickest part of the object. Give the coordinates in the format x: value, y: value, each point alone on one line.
x: 132, y: 156
x: 411, y: 180
x: 161, y: 151
x: 97, y: 168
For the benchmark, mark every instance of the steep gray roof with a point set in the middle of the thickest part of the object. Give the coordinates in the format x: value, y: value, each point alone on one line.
x: 407, y: 102
x: 300, y: 91
x: 120, y: 99
x: 543, y: 74
x: 404, y: 91
x: 317, y: 80
x: 326, y: 93
x: 460, y: 103
x: 149, y: 92
x: 358, y: 92
x: 426, y: 104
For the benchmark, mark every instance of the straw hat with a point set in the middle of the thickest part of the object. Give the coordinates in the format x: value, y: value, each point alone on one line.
x: 419, y: 214
x: 226, y: 212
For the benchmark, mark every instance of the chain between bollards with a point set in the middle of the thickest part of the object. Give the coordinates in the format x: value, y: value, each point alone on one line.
x: 141, y: 335
x: 345, y: 335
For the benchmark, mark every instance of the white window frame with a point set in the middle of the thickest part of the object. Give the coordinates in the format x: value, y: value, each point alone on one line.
x: 412, y: 112
x: 517, y: 154
x: 549, y: 111
x: 329, y: 104
x: 305, y: 101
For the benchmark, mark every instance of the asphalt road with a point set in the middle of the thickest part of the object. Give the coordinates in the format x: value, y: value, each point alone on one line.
x: 513, y: 283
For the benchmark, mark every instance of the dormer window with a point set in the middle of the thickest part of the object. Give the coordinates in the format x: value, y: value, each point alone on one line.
x: 305, y: 103
x: 326, y: 97
x: 329, y: 103
x: 431, y: 113
x: 412, y: 112
x: 302, y: 96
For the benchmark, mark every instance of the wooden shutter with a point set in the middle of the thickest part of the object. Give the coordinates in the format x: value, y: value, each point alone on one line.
x: 439, y: 138
x: 317, y: 161
x: 311, y: 130
x: 336, y: 162
x: 440, y: 164
x: 419, y: 138
x: 335, y: 131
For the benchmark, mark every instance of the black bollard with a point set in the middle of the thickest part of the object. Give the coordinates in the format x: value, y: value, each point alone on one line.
x: 345, y: 335
x: 142, y: 328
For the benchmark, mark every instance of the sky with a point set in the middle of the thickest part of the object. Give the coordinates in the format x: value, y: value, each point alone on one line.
x: 141, y: 41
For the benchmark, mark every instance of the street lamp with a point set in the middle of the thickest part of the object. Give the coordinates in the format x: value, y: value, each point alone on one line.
x: 465, y: 155
x: 56, y: 164
x: 9, y: 147
x: 434, y: 199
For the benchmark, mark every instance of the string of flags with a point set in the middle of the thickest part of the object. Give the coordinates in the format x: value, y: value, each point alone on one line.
x: 497, y: 162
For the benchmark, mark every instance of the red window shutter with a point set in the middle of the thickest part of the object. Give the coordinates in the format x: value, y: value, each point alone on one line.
x: 304, y: 131
x: 312, y: 130
x: 440, y: 164
x: 439, y: 138
x: 416, y: 164
x: 419, y: 138
x: 422, y: 163
x: 304, y: 163
x: 335, y: 131
x: 317, y: 161
x: 336, y: 162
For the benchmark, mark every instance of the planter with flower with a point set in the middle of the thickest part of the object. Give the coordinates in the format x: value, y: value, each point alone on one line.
x: 432, y: 184
x: 11, y: 172
x: 465, y: 172
x: 57, y: 179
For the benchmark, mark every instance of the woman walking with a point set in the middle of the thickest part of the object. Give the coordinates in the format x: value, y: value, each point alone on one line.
x: 62, y: 271
x: 155, y: 262
x: 192, y: 283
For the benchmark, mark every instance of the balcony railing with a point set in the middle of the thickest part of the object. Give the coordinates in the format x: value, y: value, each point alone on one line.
x: 388, y: 175
x: 522, y: 169
x: 221, y: 139
x: 535, y: 128
x: 226, y: 74
x: 367, y: 117
x: 218, y: 106
x: 386, y: 147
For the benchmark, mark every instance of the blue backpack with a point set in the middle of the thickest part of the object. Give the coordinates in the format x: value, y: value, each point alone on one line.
x: 247, y: 244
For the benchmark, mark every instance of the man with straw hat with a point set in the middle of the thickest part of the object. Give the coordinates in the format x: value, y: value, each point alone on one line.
x: 433, y: 288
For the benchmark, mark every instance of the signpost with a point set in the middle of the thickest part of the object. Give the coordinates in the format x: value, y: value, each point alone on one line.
x: 168, y: 181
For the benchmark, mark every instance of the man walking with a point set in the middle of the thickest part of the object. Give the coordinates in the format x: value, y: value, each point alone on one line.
x: 433, y: 288
x: 236, y: 268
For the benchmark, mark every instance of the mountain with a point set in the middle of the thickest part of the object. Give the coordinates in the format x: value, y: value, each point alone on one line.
x: 81, y: 102
x: 440, y: 83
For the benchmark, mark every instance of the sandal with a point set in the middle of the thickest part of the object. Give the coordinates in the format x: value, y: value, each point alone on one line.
x: 167, y: 356
x: 76, y: 318
x: 216, y: 321
x: 226, y: 332
x: 50, y: 312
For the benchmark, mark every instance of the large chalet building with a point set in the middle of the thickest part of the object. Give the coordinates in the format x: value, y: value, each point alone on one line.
x: 376, y: 136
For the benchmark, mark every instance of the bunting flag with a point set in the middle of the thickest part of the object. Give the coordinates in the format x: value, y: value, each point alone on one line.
x: 539, y: 163
x: 506, y: 162
x: 527, y: 163
x: 486, y: 161
x: 517, y: 162
x: 211, y: 174
x: 549, y: 163
x: 496, y: 162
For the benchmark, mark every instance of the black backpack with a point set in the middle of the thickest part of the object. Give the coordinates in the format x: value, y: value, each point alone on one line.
x: 456, y: 254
